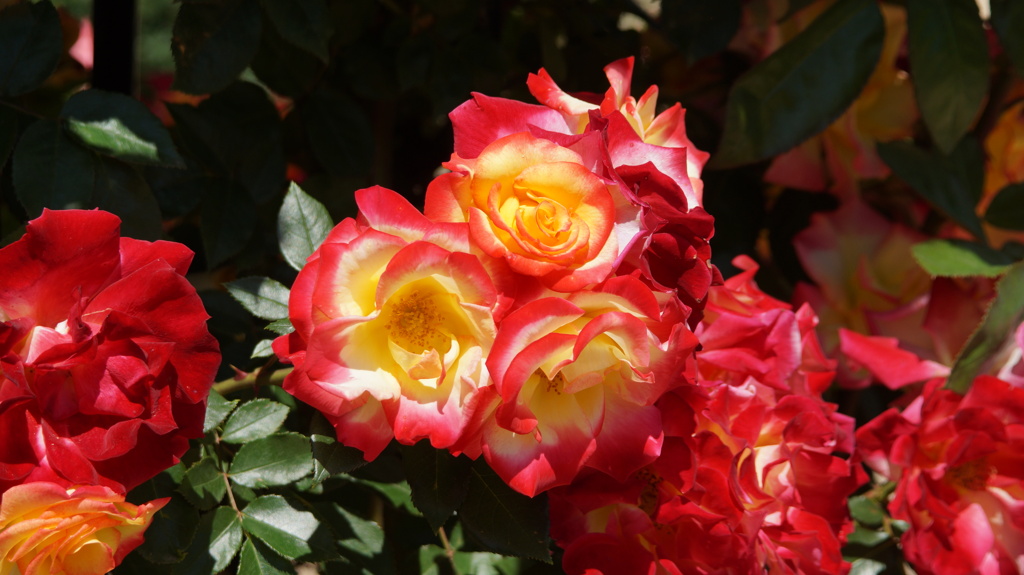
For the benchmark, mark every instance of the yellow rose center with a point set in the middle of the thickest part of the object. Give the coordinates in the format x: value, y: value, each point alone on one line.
x: 412, y: 319
x: 554, y: 385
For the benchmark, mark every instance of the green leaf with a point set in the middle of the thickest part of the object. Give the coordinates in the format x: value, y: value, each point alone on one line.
x: 1008, y: 21
x: 804, y: 86
x: 217, y: 408
x: 480, y: 563
x: 437, y: 479
x: 1007, y: 208
x: 952, y: 183
x: 504, y: 520
x: 1004, y: 314
x: 866, y: 537
x: 865, y: 566
x: 430, y: 556
x: 339, y: 133
x: 30, y: 46
x: 283, y: 528
x: 866, y: 511
x: 121, y: 127
x: 263, y: 297
x: 948, y: 65
x: 51, y: 171
x: 257, y: 559
x: 362, y: 542
x: 204, y: 484
x: 275, y: 460
x: 217, y: 539
x: 398, y: 494
x: 8, y: 133
x: 282, y: 326
x: 173, y: 527
x: 213, y: 43
x: 284, y: 67
x: 703, y: 27
x: 122, y: 190
x: 331, y: 458
x: 236, y: 134
x: 305, y: 23
x: 177, y: 191
x: 228, y: 220
x: 302, y: 225
x: 958, y: 258
x: 264, y: 348
x: 367, y: 537
x: 254, y: 420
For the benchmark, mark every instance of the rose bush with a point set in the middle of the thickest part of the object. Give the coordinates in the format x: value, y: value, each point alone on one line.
x: 106, y: 358
x: 548, y: 349
x: 47, y: 529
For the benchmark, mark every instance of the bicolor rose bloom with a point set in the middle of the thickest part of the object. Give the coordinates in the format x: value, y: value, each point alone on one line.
x: 548, y: 222
x: 667, y: 128
x: 394, y: 319
x: 541, y: 206
x: 958, y: 464
x: 575, y: 381
x: 484, y: 119
x: 881, y: 314
x: 105, y: 355
x: 754, y: 470
x: 47, y: 529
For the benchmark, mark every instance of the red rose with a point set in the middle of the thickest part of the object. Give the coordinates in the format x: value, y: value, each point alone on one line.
x: 959, y: 471
x: 104, y: 351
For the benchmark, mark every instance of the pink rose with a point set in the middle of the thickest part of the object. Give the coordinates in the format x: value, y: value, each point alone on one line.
x: 105, y: 355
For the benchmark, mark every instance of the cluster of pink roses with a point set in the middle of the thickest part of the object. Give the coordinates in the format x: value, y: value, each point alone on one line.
x: 106, y: 367
x: 544, y: 313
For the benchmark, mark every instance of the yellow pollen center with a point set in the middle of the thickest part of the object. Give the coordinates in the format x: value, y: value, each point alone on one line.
x: 412, y: 321
x: 555, y: 385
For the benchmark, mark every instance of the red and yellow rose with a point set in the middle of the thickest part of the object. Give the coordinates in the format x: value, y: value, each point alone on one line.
x: 47, y: 529
x: 393, y: 319
x: 541, y: 206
